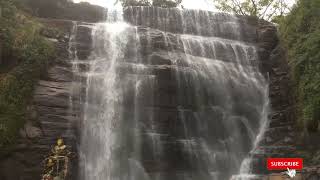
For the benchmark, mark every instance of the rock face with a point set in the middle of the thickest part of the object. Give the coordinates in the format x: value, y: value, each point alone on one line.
x: 280, y: 134
x: 308, y: 173
x: 198, y: 22
x: 54, y: 111
x: 172, y: 95
x: 193, y: 118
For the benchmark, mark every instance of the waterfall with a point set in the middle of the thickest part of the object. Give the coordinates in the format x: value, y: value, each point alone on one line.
x: 171, y: 95
x: 73, y: 96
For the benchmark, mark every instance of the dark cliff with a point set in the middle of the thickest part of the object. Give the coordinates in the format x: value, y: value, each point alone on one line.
x: 280, y: 132
x: 56, y: 109
x: 50, y: 113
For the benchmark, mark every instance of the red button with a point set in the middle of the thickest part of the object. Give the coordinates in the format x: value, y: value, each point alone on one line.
x: 284, y: 163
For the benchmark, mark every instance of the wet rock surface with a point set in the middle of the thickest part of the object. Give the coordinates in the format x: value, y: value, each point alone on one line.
x: 189, y: 100
x: 307, y: 173
x: 199, y: 22
x: 163, y: 41
x: 54, y: 111
x: 281, y: 133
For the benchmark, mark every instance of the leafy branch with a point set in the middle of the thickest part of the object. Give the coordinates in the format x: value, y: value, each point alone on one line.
x: 262, y: 9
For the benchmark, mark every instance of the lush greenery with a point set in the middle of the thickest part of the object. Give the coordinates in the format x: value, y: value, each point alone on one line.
x: 300, y: 31
x: 166, y: 3
x: 126, y: 3
x: 63, y: 9
x: 157, y: 3
x: 263, y: 9
x: 24, y: 56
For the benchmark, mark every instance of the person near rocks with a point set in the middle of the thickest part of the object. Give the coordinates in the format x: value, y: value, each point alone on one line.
x: 60, y: 149
x: 48, y: 169
x: 56, y: 167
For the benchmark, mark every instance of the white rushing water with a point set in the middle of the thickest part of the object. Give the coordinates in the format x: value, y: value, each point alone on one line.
x: 164, y: 106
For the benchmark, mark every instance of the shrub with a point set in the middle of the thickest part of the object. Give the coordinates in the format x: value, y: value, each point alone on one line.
x: 300, y: 31
x: 157, y: 3
x: 23, y: 43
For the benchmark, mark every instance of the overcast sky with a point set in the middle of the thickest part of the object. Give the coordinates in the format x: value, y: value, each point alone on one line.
x: 189, y: 4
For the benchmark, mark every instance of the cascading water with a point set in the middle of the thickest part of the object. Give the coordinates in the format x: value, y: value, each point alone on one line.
x: 165, y: 102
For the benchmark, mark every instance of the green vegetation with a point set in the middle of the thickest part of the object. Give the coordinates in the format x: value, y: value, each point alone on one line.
x: 310, y: 157
x: 300, y: 31
x: 63, y: 9
x: 24, y: 57
x: 157, y: 3
x: 263, y: 9
x: 126, y: 3
x: 166, y: 3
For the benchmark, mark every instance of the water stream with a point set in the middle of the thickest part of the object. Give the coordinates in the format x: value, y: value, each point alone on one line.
x: 165, y: 105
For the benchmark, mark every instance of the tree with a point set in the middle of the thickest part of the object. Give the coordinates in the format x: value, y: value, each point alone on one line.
x: 126, y: 3
x: 157, y: 3
x: 262, y: 9
x: 166, y: 3
x: 300, y: 34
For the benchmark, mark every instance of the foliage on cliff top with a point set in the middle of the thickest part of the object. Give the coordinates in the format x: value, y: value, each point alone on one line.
x: 63, y: 9
x: 22, y: 44
x: 157, y: 3
x: 262, y: 9
x: 300, y: 31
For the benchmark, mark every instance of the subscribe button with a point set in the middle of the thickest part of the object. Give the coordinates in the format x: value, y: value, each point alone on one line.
x: 284, y: 163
